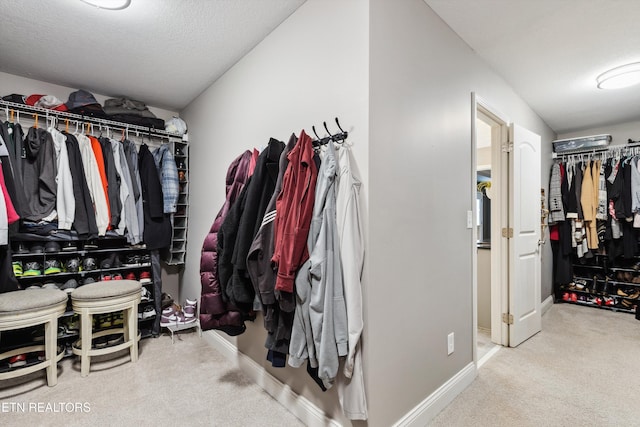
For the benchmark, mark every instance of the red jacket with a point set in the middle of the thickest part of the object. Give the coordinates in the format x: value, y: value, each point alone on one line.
x: 294, y: 208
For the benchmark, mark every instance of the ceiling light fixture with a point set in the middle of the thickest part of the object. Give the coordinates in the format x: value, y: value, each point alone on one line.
x: 108, y: 4
x: 619, y: 77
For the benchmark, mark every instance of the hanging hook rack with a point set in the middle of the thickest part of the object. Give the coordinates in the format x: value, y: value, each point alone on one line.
x: 337, y: 138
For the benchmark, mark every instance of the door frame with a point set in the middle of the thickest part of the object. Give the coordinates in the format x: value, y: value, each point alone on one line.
x: 480, y: 108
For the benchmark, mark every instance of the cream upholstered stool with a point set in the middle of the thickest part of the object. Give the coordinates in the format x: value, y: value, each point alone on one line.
x: 21, y: 309
x: 106, y: 297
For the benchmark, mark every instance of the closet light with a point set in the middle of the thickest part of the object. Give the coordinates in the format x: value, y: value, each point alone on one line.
x: 108, y: 4
x: 619, y: 77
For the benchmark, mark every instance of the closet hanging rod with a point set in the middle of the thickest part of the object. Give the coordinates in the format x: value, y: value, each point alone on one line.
x: 599, y: 150
x: 88, y: 119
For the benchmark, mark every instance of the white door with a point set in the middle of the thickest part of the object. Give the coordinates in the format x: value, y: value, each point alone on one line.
x: 524, y: 249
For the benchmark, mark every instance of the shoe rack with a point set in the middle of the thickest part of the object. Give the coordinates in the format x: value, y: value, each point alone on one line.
x: 598, y: 284
x: 72, y: 263
x: 178, y: 248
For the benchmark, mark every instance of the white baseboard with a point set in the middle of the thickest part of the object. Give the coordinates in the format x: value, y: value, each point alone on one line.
x: 299, y: 406
x: 426, y: 410
x: 546, y: 304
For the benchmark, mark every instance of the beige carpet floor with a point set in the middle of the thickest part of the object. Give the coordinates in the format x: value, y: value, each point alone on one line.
x: 186, y: 383
x: 581, y: 370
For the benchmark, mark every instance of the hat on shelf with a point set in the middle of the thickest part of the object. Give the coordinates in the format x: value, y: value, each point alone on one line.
x: 83, y: 102
x: 15, y: 97
x: 175, y: 125
x: 46, y: 101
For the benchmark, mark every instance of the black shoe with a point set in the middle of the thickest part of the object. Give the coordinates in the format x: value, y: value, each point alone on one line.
x: 36, y: 248
x: 108, y: 262
x: 52, y: 247
x: 69, y: 246
x: 91, y: 244
x: 72, y: 265
x: 89, y: 264
x: 21, y: 248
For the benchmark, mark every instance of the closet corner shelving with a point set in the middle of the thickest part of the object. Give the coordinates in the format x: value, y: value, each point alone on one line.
x: 178, y: 248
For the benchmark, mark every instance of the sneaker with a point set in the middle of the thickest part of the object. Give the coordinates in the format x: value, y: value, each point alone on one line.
x: 100, y: 342
x: 117, y: 262
x: 145, y: 295
x: 118, y: 319
x: 169, y: 316
x: 69, y: 285
x: 183, y: 320
x: 50, y: 285
x: 17, y: 268
x: 145, y: 277
x: 104, y: 322
x: 132, y: 259
x: 21, y: 248
x: 72, y: 265
x: 52, y: 247
x: 52, y: 266
x: 69, y: 246
x: 147, y: 313
x: 145, y: 259
x: 108, y: 262
x: 36, y: 248
x: 89, y: 263
x: 32, y: 268
x: 116, y: 276
x: 91, y: 244
x: 115, y: 339
x: 131, y: 276
x: 105, y: 277
x: 88, y: 280
x: 167, y: 300
x: 190, y: 308
x: 18, y: 360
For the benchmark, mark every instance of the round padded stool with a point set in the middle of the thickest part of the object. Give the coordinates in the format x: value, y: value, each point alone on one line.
x: 106, y: 297
x: 21, y: 309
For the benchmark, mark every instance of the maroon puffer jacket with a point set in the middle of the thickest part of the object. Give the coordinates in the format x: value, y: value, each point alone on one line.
x: 214, y: 312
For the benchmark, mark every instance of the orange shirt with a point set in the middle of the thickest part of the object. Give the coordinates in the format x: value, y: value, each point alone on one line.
x: 97, y: 151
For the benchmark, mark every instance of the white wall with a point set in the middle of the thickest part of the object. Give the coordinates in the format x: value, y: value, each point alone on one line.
x: 421, y: 79
x: 311, y: 69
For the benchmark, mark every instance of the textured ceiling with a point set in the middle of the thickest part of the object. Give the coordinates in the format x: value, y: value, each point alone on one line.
x: 163, y: 52
x: 550, y: 52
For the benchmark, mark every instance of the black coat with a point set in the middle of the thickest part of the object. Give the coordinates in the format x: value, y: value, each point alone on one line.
x: 157, y: 224
x: 259, y: 192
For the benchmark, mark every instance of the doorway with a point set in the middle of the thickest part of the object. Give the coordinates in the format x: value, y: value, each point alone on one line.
x: 506, y: 238
x: 491, y: 131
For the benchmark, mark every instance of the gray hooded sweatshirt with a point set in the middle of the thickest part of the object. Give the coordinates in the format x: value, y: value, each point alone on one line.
x: 321, y: 326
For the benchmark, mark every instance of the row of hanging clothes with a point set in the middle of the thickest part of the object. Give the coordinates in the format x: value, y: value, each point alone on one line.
x: 594, y: 204
x: 288, y: 241
x: 78, y: 185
